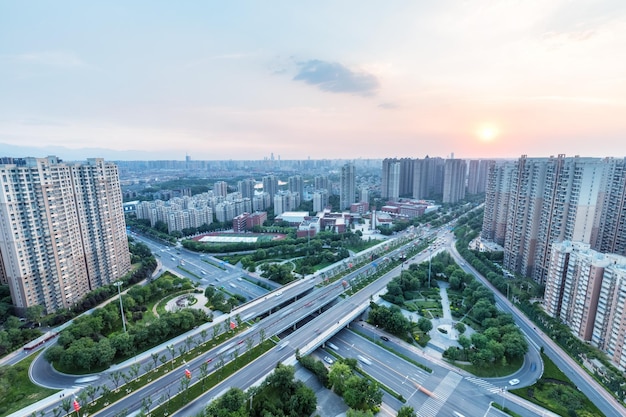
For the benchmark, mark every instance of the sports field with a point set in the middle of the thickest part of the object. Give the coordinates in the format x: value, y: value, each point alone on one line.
x: 218, y: 237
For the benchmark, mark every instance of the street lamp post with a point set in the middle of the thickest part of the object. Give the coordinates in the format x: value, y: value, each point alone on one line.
x: 118, y: 284
x: 430, y: 255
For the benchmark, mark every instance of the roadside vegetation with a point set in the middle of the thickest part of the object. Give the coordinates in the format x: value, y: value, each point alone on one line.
x: 16, y: 390
x: 94, y: 341
x: 281, y: 394
x: 556, y: 392
x: 346, y: 379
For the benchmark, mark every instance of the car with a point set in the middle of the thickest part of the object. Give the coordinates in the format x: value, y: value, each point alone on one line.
x: 385, y: 338
x: 328, y: 360
x: 279, y: 293
x: 514, y: 381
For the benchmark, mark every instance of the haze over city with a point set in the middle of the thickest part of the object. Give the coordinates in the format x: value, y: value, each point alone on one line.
x: 158, y: 80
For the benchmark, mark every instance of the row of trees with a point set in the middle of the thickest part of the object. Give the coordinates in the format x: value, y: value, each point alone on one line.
x: 97, y: 351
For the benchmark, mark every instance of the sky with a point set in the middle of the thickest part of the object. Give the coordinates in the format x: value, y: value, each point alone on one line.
x: 319, y: 79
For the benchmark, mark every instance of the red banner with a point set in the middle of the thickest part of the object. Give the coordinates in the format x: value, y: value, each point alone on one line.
x: 76, y: 406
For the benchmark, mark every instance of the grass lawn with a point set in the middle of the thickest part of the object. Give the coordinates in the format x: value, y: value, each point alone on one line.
x: 19, y: 392
x: 494, y: 370
x: 366, y: 244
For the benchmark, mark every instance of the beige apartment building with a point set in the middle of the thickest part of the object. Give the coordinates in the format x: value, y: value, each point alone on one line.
x: 586, y: 289
x: 62, y: 229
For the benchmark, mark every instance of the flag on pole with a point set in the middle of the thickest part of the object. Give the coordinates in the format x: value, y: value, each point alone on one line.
x: 76, y: 406
x: 188, y: 373
x: 232, y: 325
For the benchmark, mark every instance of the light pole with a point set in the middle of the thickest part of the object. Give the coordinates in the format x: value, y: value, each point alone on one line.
x: 118, y: 284
x: 430, y: 255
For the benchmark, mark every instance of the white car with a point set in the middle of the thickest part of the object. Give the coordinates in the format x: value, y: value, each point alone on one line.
x: 328, y: 360
x: 514, y: 381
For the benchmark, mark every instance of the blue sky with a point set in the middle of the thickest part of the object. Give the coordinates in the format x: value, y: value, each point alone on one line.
x: 323, y: 79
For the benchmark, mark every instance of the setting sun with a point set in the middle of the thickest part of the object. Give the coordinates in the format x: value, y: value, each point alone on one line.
x: 487, y: 132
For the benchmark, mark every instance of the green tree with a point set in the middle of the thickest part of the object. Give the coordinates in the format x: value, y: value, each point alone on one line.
x: 406, y: 411
x: 424, y: 324
x: 337, y: 377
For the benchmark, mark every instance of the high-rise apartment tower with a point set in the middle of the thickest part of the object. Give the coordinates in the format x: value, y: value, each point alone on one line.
x: 62, y: 230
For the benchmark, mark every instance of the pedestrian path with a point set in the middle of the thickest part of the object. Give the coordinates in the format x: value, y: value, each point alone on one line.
x: 432, y: 406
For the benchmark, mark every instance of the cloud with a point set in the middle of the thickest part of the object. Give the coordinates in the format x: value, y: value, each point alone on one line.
x: 387, y: 106
x: 336, y: 78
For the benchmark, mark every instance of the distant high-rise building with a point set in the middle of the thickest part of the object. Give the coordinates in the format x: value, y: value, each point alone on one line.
x: 320, y: 200
x: 285, y: 201
x: 321, y: 183
x: 364, y: 195
x: 347, y: 187
x: 477, y: 176
x: 390, y: 180
x: 397, y: 178
x: 220, y: 188
x: 246, y: 188
x: 62, y: 230
x: 454, y: 180
x: 428, y: 177
x: 295, y: 184
x: 270, y: 185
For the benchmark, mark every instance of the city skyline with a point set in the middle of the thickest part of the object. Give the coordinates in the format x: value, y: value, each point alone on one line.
x: 158, y: 80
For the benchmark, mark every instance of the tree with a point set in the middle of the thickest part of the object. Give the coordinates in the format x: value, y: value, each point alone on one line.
x: 172, y: 350
x: 337, y: 377
x: 66, y: 405
x: 134, y: 371
x: 146, y: 402
x: 424, y: 324
x: 204, y: 372
x: 33, y: 313
x: 460, y: 327
x: 105, y: 353
x: 464, y: 341
x: 362, y: 394
x: 406, y: 411
x: 182, y: 388
x: 303, y: 401
x: 116, y: 377
x: 92, y: 392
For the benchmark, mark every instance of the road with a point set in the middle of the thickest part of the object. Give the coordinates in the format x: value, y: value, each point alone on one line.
x: 207, y: 270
